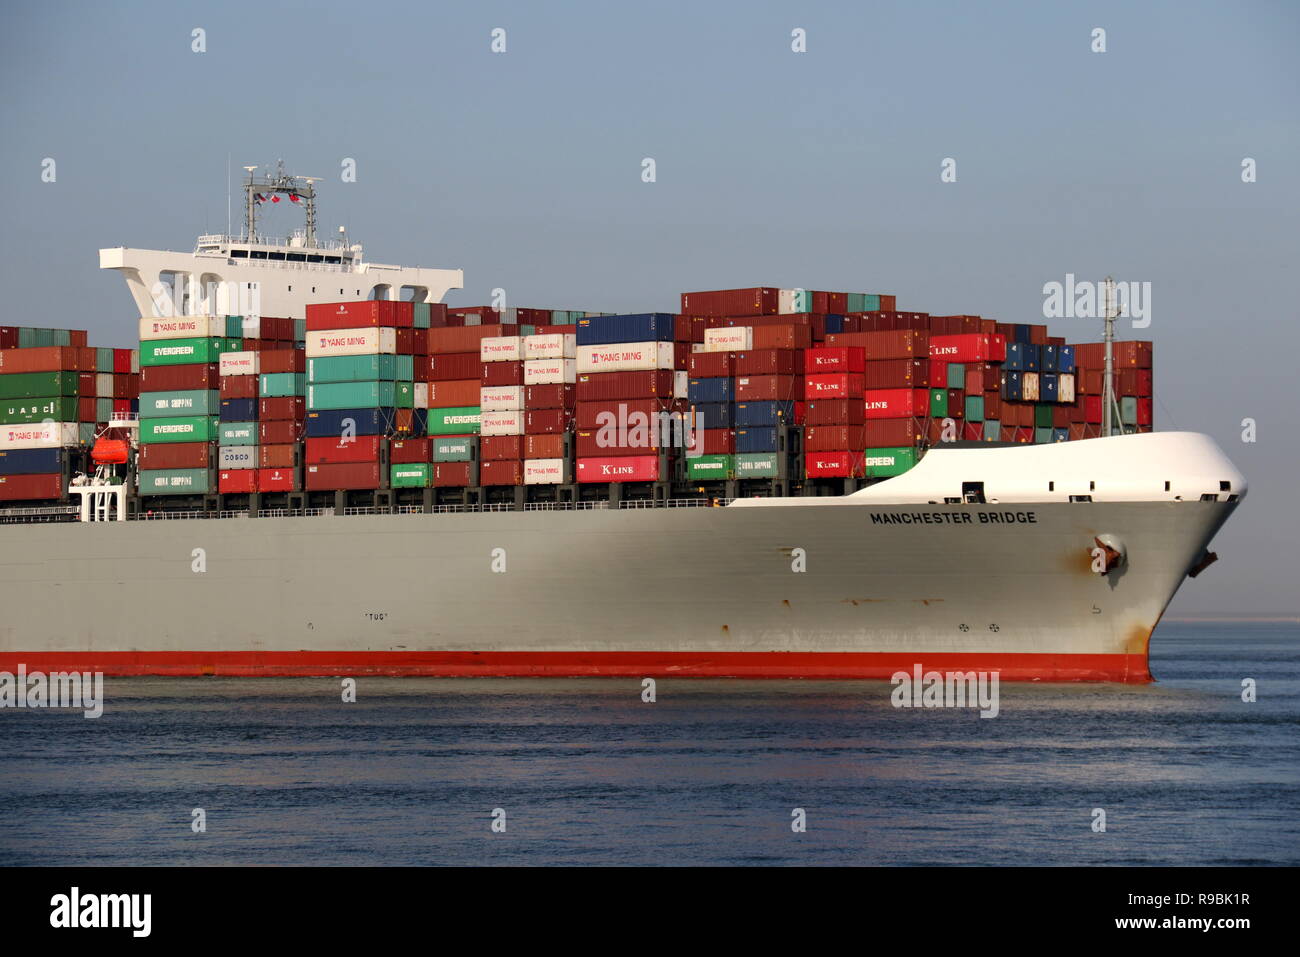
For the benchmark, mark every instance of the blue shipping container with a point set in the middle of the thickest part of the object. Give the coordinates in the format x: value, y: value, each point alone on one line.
x: 834, y: 324
x: 238, y: 410
x: 1022, y: 333
x: 1065, y: 359
x: 720, y: 389
x: 756, y: 440
x: 766, y: 412
x: 714, y: 415
x: 1048, y: 387
x: 1013, y: 386
x: 638, y: 327
x: 1060, y: 435
x: 31, y: 461
x: 328, y: 423
x: 1050, y: 356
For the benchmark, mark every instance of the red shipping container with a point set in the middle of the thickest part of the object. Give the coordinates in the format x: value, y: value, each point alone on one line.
x: 282, y: 407
x: 688, y: 328
x: 759, y: 301
x: 590, y: 443
x: 628, y: 468
x: 982, y: 377
x: 835, y: 412
x: 454, y: 393
x: 1077, y: 415
x: 993, y: 405
x: 282, y: 360
x: 175, y: 455
x: 842, y: 385
x: 501, y: 472
x: 897, y: 374
x: 559, y: 395
x: 25, y: 488
x: 87, y: 386
x: 887, y: 433
x: 544, y: 447
x: 968, y: 348
x: 121, y: 361
x: 495, y: 448
x: 782, y: 337
x: 277, y: 480
x: 407, y: 342
x: 716, y: 441
x: 452, y: 474
x: 1092, y: 409
x: 899, y: 344
x: 758, y: 387
x: 8, y: 337
x: 897, y: 403
x: 546, y: 421
x: 587, y: 413
x: 603, y: 386
x: 124, y: 386
x: 359, y: 314
x: 86, y: 409
x: 121, y: 407
x: 278, y: 431
x: 956, y: 404
x: 409, y: 451
x: 973, y: 431
x: 328, y: 450
x: 769, y: 362
x: 829, y: 438
x: 179, y: 378
x: 711, y: 365
x: 1144, y: 414
x: 237, y: 481
x: 834, y: 359
x: 1076, y: 431
x: 502, y: 373
x: 239, y: 386
x: 47, y: 359
x: 463, y: 339
x: 358, y: 475
x: 938, y: 374
x: 275, y: 456
x: 831, y: 464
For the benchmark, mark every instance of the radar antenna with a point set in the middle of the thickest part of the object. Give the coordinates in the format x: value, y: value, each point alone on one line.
x: 269, y: 187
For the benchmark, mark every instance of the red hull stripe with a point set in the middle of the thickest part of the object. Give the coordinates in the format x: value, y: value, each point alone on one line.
x: 571, y: 664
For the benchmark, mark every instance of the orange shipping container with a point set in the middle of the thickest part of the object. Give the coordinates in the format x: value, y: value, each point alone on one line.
x: 454, y: 393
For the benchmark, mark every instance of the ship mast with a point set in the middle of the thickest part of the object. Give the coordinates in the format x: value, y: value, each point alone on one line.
x: 258, y: 189
x: 1109, y: 404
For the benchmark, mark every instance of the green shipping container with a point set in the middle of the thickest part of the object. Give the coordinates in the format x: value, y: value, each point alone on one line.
x: 457, y: 421
x: 711, y: 467
x: 417, y: 475
x: 237, y: 433
x: 22, y: 385
x: 938, y: 403
x: 235, y: 326
x: 103, y: 360
x: 273, y: 385
x: 190, y: 402
x: 1128, y: 410
x: 62, y: 408
x: 956, y: 375
x: 992, y: 430
x: 192, y: 428
x: 883, y: 463
x: 361, y: 395
x: 423, y: 319
x: 974, y: 408
x: 174, y: 481
x: 802, y: 301
x: 299, y: 330
x: 103, y: 409
x: 86, y: 436
x: 385, y: 368
x: 757, y: 465
x: 1042, y: 436
x: 1042, y: 417
x: 179, y: 352
x: 458, y: 449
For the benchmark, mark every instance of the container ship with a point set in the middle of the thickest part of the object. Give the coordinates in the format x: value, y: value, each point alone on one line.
x: 312, y: 466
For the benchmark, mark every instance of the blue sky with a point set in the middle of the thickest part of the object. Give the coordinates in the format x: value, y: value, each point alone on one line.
x: 818, y: 170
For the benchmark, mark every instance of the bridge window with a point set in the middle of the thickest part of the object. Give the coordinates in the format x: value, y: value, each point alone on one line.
x: 972, y: 493
x: 1080, y: 498
x: 1225, y: 486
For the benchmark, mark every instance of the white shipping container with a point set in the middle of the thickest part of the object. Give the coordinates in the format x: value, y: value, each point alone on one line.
x: 104, y: 384
x: 135, y: 360
x: 250, y: 327
x: 559, y: 345
x: 501, y: 398
x: 40, y: 435
x: 729, y: 339
x: 785, y: 301
x: 352, y: 342
x: 421, y: 395
x: 238, y: 363
x: 547, y: 472
x: 697, y: 347
x: 501, y: 349
x: 182, y: 327
x: 681, y: 385
x: 625, y: 357
x: 1029, y: 382
x: 501, y: 423
x: 550, y: 371
x: 1065, y: 387
x: 237, y: 457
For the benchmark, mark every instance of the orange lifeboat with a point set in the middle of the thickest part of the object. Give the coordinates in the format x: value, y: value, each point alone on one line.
x: 109, y: 452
